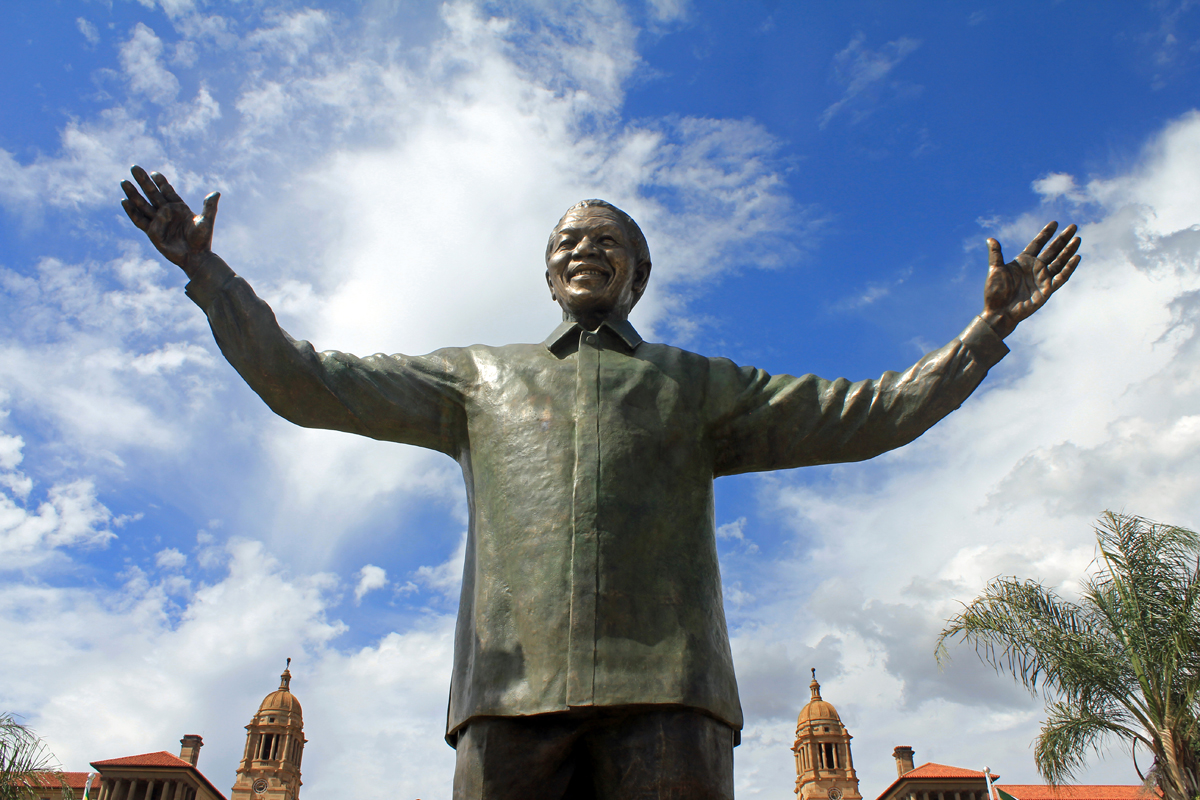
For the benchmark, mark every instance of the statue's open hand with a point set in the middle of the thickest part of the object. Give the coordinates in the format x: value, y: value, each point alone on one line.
x: 1015, y: 290
x: 171, y: 226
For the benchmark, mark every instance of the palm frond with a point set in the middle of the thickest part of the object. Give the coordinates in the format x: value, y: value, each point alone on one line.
x: 1121, y: 663
x: 25, y: 763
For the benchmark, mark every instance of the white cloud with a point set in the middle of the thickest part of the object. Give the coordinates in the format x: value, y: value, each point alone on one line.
x: 668, y: 10
x: 862, y: 73
x: 196, y: 117
x: 1056, y: 185
x: 88, y: 30
x: 140, y: 59
x: 292, y: 35
x: 99, y: 656
x: 104, y: 353
x: 370, y: 578
x: 69, y: 516
x: 445, y: 578
x: 93, y: 157
x: 170, y: 558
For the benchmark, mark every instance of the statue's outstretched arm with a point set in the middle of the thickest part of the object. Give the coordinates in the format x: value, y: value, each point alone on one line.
x: 414, y: 400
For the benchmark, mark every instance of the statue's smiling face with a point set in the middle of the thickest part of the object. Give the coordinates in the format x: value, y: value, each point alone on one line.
x: 591, y: 267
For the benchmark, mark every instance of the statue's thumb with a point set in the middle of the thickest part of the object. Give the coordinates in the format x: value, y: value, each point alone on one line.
x: 210, y: 205
x: 995, y: 257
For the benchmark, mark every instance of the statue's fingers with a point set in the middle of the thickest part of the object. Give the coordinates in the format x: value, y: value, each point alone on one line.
x: 148, y: 188
x: 139, y: 219
x: 1060, y: 261
x: 1058, y: 244
x: 1064, y: 275
x: 1040, y: 240
x: 138, y: 201
x: 164, y: 185
x: 995, y: 255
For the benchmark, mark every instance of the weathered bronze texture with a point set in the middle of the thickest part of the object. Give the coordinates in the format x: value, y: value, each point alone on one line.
x: 591, y: 576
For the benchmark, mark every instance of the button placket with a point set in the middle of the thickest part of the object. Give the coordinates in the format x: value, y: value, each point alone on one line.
x: 581, y: 666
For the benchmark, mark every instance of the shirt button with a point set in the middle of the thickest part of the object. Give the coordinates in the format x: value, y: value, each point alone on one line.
x: 590, y: 338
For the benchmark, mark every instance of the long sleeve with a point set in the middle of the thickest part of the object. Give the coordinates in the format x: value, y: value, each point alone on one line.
x: 766, y: 422
x: 415, y: 400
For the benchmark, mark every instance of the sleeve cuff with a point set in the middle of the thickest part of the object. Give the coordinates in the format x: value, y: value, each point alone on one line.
x: 984, y: 344
x: 208, y: 279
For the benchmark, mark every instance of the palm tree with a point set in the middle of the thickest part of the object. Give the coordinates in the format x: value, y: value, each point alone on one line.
x: 25, y: 764
x: 1122, y: 663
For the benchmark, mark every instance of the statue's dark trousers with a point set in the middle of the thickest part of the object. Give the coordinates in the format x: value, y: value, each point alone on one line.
x: 596, y: 754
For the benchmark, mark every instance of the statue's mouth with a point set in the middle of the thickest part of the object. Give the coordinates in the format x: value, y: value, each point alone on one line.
x: 588, y: 273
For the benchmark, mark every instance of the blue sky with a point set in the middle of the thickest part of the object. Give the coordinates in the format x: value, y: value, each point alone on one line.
x: 816, y: 182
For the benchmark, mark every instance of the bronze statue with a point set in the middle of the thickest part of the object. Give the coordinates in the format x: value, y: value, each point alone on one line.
x: 591, y: 652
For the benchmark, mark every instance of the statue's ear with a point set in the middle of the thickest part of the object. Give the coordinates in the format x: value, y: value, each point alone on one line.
x: 641, y: 278
x: 550, y: 283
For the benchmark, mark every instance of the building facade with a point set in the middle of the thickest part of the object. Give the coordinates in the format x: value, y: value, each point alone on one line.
x: 156, y: 776
x: 269, y: 769
x: 942, y: 782
x: 825, y: 769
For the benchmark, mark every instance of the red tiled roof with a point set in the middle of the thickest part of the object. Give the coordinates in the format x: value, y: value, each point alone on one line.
x: 76, y: 780
x: 1037, y: 791
x: 1027, y: 791
x: 160, y: 759
x: 932, y: 770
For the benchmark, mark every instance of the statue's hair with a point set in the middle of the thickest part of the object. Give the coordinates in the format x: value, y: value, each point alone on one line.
x: 641, y: 249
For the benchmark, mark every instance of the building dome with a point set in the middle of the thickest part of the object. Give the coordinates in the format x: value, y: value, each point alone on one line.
x: 282, y: 699
x: 818, y: 709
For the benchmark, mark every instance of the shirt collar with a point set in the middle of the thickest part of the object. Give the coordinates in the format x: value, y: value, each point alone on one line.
x: 569, y: 330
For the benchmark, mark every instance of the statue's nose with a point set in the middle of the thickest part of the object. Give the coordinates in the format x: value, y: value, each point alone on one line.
x: 586, y: 245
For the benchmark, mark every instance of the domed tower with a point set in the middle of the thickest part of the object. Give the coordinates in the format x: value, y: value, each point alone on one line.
x: 824, y: 767
x: 270, y: 768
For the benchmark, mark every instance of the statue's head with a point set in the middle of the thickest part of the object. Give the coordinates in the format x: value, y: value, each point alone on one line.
x: 597, y: 263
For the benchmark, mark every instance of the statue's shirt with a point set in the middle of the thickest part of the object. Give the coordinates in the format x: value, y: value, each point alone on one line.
x: 591, y: 575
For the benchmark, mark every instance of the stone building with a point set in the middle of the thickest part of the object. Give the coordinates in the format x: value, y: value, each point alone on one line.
x: 941, y: 782
x: 825, y: 769
x: 824, y: 765
x: 269, y: 769
x: 156, y: 776
x: 270, y: 766
x: 933, y: 781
